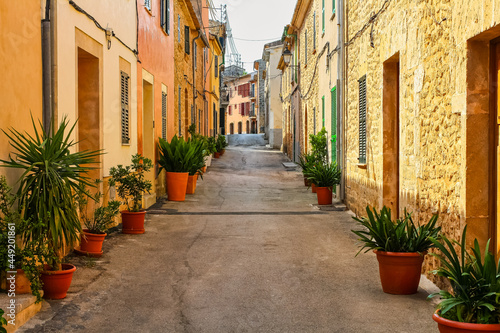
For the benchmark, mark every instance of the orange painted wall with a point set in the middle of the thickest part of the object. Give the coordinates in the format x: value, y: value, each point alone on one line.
x: 156, y: 56
x: 21, y: 68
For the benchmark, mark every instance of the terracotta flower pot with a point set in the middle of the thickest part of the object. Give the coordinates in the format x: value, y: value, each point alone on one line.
x: 176, y: 185
x: 307, y: 182
x: 222, y: 151
x: 217, y: 154
x: 133, y: 222
x: 450, y: 326
x: 313, y: 188
x: 56, y: 283
x: 400, y: 271
x: 91, y: 243
x: 204, y: 169
x: 191, y: 185
x: 324, y: 195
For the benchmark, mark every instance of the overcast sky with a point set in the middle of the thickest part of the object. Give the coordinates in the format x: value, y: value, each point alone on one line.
x: 256, y: 20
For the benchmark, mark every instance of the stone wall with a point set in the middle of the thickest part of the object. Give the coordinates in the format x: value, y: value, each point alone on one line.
x: 431, y: 40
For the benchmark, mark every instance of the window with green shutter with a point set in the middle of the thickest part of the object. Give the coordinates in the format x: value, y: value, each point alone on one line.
x: 362, y: 120
x: 314, y: 31
x: 164, y: 115
x: 165, y: 15
x: 186, y: 39
x: 125, y: 117
x: 334, y: 124
x: 333, y: 6
x: 323, y: 15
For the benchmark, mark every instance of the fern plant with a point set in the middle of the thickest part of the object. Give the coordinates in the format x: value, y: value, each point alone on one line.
x: 382, y: 233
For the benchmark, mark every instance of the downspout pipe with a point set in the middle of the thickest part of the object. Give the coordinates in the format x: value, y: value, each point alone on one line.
x: 195, y: 92
x: 340, y: 99
x: 47, y: 70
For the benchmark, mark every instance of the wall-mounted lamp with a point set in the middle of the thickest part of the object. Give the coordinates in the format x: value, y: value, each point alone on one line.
x: 287, y: 55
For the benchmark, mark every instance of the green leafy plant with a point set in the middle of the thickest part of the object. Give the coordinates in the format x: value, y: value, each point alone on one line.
x: 324, y: 174
x: 130, y: 181
x: 3, y: 322
x: 319, y: 144
x: 97, y: 218
x: 381, y: 233
x: 211, y: 145
x: 306, y: 162
x: 52, y: 172
x: 192, y: 130
x: 179, y: 155
x: 221, y: 142
x: 474, y: 279
x: 198, y: 160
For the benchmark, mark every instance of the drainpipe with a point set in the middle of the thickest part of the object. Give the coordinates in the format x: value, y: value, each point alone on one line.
x: 340, y: 94
x: 195, y: 92
x: 46, y: 70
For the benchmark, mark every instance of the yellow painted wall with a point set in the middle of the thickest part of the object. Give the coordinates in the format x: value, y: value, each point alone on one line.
x: 21, y: 68
x: 234, y: 102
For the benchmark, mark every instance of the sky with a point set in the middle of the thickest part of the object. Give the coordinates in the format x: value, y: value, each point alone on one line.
x: 256, y: 20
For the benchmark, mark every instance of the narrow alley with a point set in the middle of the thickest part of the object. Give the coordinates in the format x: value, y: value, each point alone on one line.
x: 248, y: 253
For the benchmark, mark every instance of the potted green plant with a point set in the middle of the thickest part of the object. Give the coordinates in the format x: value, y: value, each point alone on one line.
x: 211, y: 148
x: 52, y: 171
x: 3, y: 322
x: 197, y: 163
x: 131, y: 184
x: 324, y: 176
x: 306, y: 161
x: 97, y: 218
x: 221, y: 144
x: 400, y: 247
x: 473, y: 303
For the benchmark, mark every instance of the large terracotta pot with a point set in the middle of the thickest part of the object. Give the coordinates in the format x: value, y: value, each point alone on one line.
x: 217, y: 154
x: 450, y: 326
x: 133, y: 222
x: 176, y: 185
x: 324, y: 195
x: 313, y: 188
x: 204, y: 169
x: 222, y: 152
x: 191, y: 185
x: 91, y: 243
x: 56, y: 283
x: 400, y: 271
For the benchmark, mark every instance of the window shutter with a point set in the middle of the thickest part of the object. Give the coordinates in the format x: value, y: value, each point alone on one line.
x: 164, y: 116
x: 216, y: 66
x: 305, y: 46
x: 186, y: 39
x: 247, y: 109
x: 162, y: 14
x: 125, y: 121
x: 333, y: 6
x: 323, y: 16
x: 323, y: 111
x: 334, y: 124
x: 179, y: 28
x: 314, y: 31
x: 167, y: 14
x: 147, y: 4
x: 362, y: 120
x: 230, y: 111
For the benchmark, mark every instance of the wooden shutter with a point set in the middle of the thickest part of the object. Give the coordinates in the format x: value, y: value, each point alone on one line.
x: 333, y: 6
x: 362, y: 120
x: 125, y: 117
x: 305, y: 46
x: 186, y: 39
x: 323, y: 15
x: 216, y: 66
x: 164, y: 115
x: 167, y: 18
x: 230, y: 110
x: 334, y: 125
x: 147, y: 4
x: 314, y: 31
x: 247, y: 109
x: 323, y: 111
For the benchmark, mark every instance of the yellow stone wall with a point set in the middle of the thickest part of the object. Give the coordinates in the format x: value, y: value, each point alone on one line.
x: 431, y: 38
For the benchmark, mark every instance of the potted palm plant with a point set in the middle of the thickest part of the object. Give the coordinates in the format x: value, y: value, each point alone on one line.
x: 325, y: 176
x: 221, y: 144
x: 400, y: 247
x: 177, y: 157
x: 197, y: 163
x: 210, y: 149
x: 473, y: 303
x: 131, y: 184
x: 96, y: 219
x: 52, y: 172
x: 306, y: 161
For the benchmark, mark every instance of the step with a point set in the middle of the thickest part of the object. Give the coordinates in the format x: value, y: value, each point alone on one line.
x: 25, y: 309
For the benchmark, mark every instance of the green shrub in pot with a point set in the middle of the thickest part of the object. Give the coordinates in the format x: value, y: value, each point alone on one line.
x: 324, y: 174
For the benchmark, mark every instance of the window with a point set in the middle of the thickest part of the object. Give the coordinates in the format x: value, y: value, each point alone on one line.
x: 215, y: 120
x: 333, y: 6
x: 125, y: 120
x: 334, y: 124
x: 230, y: 110
x: 186, y: 39
x: 216, y: 64
x: 147, y: 4
x: 253, y: 90
x: 179, y: 28
x: 362, y: 120
x: 164, y: 115
x: 180, y: 112
x: 314, y: 31
x: 314, y: 120
x: 323, y: 15
x: 165, y: 16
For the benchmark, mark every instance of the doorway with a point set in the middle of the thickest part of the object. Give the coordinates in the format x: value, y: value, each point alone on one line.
x: 148, y: 137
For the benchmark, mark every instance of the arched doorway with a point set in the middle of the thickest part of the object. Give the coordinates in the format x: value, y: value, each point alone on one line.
x: 231, y: 128
x: 240, y: 125
x: 248, y: 127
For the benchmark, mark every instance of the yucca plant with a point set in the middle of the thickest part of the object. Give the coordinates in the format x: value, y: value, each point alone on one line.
x: 382, y: 233
x: 474, y: 279
x: 324, y: 174
x: 221, y: 142
x: 51, y: 175
x: 198, y: 160
x: 178, y: 155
